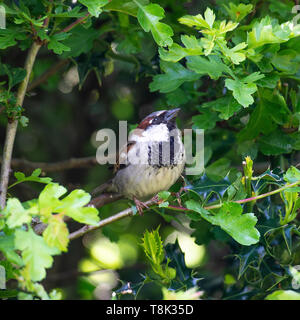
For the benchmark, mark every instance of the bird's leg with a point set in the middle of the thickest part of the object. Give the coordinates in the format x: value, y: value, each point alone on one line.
x: 140, y: 205
x: 156, y: 199
x: 178, y: 194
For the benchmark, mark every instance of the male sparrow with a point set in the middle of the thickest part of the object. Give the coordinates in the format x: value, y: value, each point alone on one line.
x: 152, y: 160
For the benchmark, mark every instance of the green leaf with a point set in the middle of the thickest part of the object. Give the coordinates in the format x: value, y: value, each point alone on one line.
x: 238, y: 12
x: 218, y: 170
x: 164, y: 195
x: 292, y: 175
x: 193, y: 47
x: 236, y: 191
x: 209, y: 17
x: 75, y: 43
x: 178, y: 97
x: 275, y: 143
x: 24, y: 121
x: 260, y: 122
x: 174, y: 76
x: 94, y: 6
x: 17, y: 215
x: 56, y: 234
x: 284, y: 61
x: 269, y: 81
x: 7, y: 246
x: 36, y: 254
x: 197, y: 21
x: 250, y: 256
x: 184, y: 275
x: 125, y: 6
x: 226, y: 27
x: 241, y: 227
x: 5, y: 294
x: 235, y: 54
x: 49, y: 199
x: 73, y: 13
x: 206, y: 120
x: 275, y: 105
x: 73, y: 206
x: 15, y: 75
x: 55, y: 43
x: 9, y: 37
x: 212, y: 66
x: 153, y: 247
x: 227, y: 106
x: 253, y: 77
x: 283, y: 295
x: 242, y: 92
x: 149, y: 17
x: 268, y: 31
x: 198, y: 210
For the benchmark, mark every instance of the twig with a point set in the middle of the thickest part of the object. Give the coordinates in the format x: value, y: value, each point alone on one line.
x: 128, y: 212
x: 123, y: 214
x: 47, y: 74
x: 54, y: 166
x: 74, y: 24
x: 261, y: 196
x: 105, y: 198
x: 12, y: 126
x: 86, y: 162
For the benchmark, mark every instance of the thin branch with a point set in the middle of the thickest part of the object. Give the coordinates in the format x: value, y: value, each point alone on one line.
x: 75, y: 23
x: 47, y: 74
x: 123, y: 214
x: 261, y: 196
x: 72, y: 163
x: 104, y: 199
x: 128, y: 212
x: 12, y: 126
x: 86, y: 162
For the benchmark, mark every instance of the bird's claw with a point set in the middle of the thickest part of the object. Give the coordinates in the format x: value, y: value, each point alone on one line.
x: 178, y: 194
x: 140, y: 205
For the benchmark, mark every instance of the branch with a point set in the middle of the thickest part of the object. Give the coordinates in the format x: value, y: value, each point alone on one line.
x: 123, y: 214
x: 12, y: 126
x: 74, y: 24
x: 54, y: 166
x: 128, y: 212
x: 86, y: 162
x: 47, y: 74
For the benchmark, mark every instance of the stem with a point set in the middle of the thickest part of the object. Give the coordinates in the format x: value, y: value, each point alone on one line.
x: 12, y: 126
x: 44, y: 77
x: 261, y: 196
x: 74, y: 24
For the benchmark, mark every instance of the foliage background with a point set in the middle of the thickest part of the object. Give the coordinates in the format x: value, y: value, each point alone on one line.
x: 115, y: 70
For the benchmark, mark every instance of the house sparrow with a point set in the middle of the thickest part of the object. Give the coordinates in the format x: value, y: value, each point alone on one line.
x: 152, y: 160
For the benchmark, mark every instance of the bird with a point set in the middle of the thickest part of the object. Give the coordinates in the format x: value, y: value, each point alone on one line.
x: 152, y: 160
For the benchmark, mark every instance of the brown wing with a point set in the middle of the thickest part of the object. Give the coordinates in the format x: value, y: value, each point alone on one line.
x: 123, y: 153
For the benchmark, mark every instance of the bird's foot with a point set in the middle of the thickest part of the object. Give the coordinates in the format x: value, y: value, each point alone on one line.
x: 177, y: 195
x: 156, y: 199
x: 140, y: 205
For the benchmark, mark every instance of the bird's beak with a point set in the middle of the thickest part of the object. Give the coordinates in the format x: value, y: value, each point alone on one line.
x: 171, y: 114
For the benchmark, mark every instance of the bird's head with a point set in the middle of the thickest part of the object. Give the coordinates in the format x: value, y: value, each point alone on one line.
x: 162, y: 117
x: 156, y: 126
